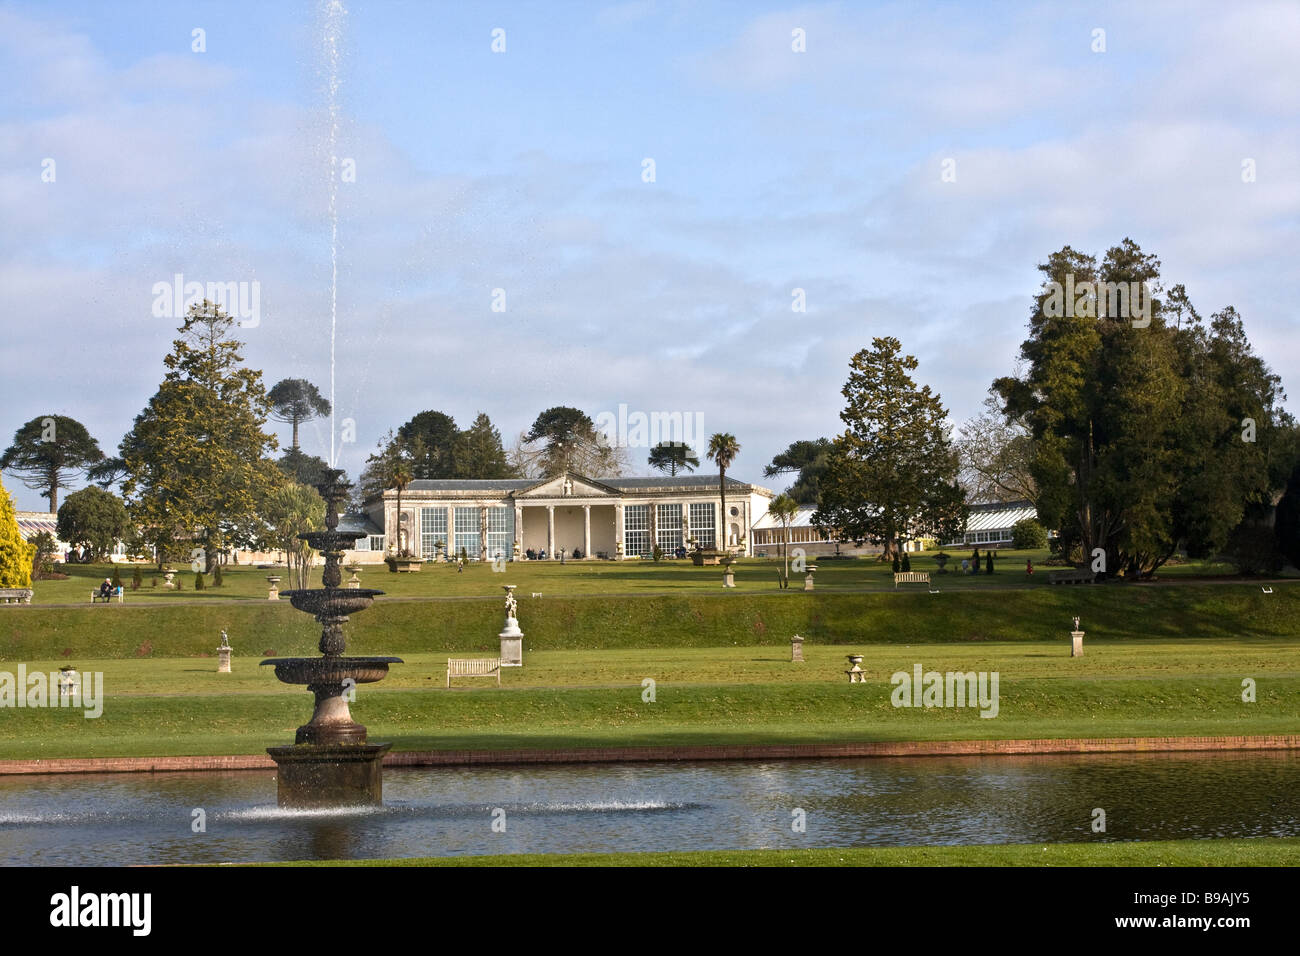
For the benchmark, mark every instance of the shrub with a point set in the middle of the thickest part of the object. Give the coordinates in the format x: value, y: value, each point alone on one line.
x: 137, y: 578
x: 216, y: 575
x: 1028, y: 535
x: 464, y: 555
x: 898, y: 565
x: 153, y: 582
x: 117, y: 577
x: 657, y: 554
x: 198, y: 581
x: 907, y: 562
x: 1253, y: 549
x: 15, y: 553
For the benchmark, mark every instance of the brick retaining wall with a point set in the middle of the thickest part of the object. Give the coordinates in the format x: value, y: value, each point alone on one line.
x: 454, y: 758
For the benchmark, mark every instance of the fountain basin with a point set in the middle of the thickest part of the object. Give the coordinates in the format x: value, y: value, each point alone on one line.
x: 332, y: 602
x: 330, y: 670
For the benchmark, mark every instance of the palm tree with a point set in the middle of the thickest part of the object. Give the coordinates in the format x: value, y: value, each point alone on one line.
x: 670, y: 455
x: 723, y: 449
x: 401, y: 476
x: 784, y: 508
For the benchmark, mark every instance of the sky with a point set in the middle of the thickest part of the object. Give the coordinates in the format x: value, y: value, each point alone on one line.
x: 139, y: 141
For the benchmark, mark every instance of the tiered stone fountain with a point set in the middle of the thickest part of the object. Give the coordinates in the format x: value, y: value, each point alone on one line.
x: 330, y: 763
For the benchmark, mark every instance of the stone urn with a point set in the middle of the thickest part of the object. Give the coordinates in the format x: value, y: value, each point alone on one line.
x: 273, y: 580
x: 169, y: 574
x: 808, y: 578
x: 856, y: 674
x: 942, y: 560
x: 354, y: 582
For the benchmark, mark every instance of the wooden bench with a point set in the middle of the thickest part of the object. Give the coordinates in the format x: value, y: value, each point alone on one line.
x: 15, y: 595
x: 115, y: 593
x: 473, y: 667
x: 1075, y: 576
x: 911, y: 577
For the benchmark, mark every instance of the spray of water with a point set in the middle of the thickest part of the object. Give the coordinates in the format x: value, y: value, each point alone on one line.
x: 334, y: 15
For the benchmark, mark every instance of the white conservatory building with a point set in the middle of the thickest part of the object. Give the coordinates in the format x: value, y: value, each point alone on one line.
x: 567, y: 514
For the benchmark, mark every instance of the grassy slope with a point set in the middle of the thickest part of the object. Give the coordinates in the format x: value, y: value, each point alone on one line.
x: 690, y: 619
x: 1256, y: 852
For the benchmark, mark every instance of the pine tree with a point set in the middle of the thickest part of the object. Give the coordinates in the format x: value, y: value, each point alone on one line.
x: 893, y: 473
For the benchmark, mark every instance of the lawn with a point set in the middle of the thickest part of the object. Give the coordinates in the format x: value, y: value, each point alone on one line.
x: 732, y: 695
x: 1247, y: 852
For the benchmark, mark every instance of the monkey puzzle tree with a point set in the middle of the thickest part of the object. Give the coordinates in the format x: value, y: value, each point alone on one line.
x: 893, y: 473
x: 672, y: 456
x: 296, y: 400
x: 809, y: 459
x: 48, y: 452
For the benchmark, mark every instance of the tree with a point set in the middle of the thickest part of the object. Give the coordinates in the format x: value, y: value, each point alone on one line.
x: 294, y: 401
x: 893, y: 473
x: 44, y: 548
x: 15, y: 553
x: 94, y: 519
x: 672, y: 456
x: 566, y: 439
x: 431, y: 438
x: 784, y: 508
x: 1287, y: 523
x: 809, y: 459
x: 196, y: 456
x: 48, y: 452
x: 309, y: 470
x: 1146, y: 436
x: 290, y: 510
x: 479, y: 452
x: 1028, y: 535
x: 997, y: 456
x: 723, y: 449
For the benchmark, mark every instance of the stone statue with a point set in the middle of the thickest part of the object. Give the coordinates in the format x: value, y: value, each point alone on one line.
x: 568, y: 486
x: 511, y: 604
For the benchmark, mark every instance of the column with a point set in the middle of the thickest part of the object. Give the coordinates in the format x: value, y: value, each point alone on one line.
x: 482, y: 533
x: 586, y: 532
x: 451, y: 532
x: 653, y: 522
x: 519, y: 528
x: 550, y: 531
x: 618, y: 530
x: 686, y: 524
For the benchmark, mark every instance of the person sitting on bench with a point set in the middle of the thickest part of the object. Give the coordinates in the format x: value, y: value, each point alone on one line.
x: 106, y: 590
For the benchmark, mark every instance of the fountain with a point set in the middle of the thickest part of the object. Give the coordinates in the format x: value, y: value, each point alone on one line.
x: 330, y: 763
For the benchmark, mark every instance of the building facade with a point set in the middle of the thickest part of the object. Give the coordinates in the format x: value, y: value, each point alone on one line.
x: 567, y: 514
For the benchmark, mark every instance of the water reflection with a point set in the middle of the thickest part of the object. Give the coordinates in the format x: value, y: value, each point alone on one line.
x: 130, y: 818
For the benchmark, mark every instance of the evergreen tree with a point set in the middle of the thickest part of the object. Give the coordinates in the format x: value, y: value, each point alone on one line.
x: 431, y: 438
x: 809, y: 459
x: 672, y: 457
x: 196, y: 456
x: 294, y: 401
x: 893, y: 473
x: 93, y: 519
x: 48, y: 452
x: 479, y: 452
x: 15, y: 553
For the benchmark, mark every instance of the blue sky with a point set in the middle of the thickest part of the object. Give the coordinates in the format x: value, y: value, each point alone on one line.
x: 522, y: 170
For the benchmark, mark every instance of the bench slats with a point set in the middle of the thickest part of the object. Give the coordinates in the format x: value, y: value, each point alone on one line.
x: 473, y: 667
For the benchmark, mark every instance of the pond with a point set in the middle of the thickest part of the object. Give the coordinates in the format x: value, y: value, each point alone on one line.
x: 114, y: 819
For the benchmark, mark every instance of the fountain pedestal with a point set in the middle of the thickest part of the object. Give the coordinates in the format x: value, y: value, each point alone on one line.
x: 311, y: 776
